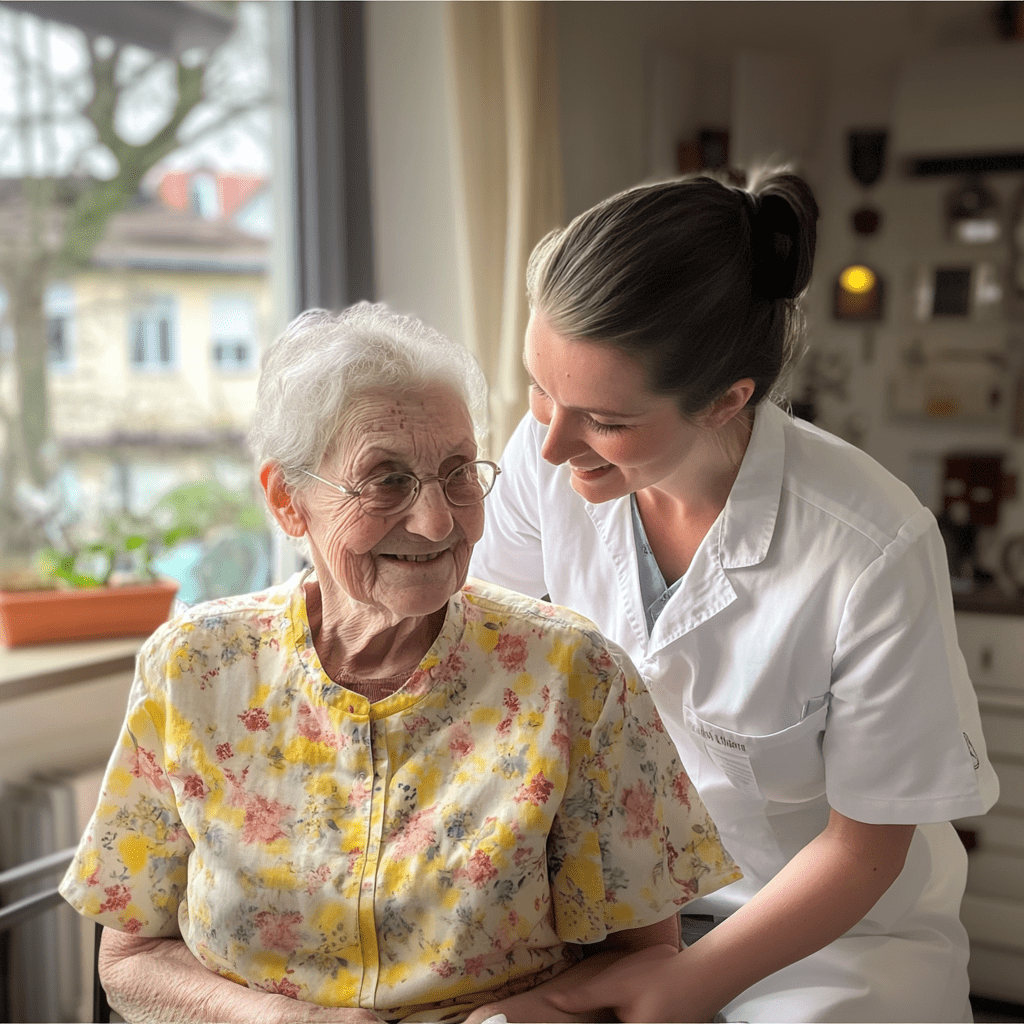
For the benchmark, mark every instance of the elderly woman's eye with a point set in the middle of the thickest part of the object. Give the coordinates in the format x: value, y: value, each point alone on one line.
x: 387, y: 490
x: 393, y: 480
x: 469, y: 483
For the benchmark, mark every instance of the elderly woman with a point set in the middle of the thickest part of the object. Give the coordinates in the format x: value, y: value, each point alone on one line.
x: 377, y: 792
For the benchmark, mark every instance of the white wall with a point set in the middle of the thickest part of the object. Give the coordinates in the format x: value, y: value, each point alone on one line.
x: 608, y: 54
x: 853, y: 52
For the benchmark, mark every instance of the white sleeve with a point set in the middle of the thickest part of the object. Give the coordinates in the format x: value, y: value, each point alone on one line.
x: 510, y: 552
x: 903, y: 720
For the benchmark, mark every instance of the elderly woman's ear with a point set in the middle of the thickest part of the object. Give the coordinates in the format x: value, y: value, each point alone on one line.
x: 279, y: 499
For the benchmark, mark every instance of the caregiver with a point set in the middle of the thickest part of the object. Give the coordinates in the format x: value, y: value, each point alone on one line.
x: 786, y: 598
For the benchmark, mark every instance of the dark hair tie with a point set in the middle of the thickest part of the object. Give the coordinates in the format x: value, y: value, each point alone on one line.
x: 774, y: 248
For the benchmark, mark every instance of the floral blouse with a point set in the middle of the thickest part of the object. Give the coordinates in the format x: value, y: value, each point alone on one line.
x: 419, y: 856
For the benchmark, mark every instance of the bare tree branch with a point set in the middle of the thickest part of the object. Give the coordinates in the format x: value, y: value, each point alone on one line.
x: 229, y: 115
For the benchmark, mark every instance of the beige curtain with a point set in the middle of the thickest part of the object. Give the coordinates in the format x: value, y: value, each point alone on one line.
x: 508, y: 179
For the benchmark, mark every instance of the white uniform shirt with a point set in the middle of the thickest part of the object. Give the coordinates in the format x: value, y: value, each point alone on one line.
x: 808, y: 659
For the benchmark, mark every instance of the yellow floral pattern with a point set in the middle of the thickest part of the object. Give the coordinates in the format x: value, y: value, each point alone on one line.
x: 443, y: 847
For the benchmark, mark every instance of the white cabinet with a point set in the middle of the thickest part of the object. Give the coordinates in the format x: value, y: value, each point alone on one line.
x: 993, y: 907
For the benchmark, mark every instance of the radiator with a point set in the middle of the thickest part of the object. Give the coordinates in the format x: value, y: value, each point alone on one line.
x: 48, y: 971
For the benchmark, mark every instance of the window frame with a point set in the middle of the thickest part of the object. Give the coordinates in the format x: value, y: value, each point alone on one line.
x: 139, y: 312
x: 59, y: 305
x: 224, y: 338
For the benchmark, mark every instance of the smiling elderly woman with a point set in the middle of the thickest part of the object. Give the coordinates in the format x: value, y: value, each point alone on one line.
x: 377, y: 792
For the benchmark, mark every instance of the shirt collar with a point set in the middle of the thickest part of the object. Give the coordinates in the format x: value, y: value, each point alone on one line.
x: 750, y: 514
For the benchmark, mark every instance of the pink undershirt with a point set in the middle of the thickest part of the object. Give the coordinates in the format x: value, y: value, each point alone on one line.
x: 372, y: 689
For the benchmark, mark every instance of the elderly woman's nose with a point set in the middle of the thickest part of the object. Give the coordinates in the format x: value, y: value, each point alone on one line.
x: 430, y: 515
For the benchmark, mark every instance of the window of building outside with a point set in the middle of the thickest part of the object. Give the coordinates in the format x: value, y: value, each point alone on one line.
x: 151, y: 329
x: 233, y: 332
x: 59, y: 307
x: 128, y: 378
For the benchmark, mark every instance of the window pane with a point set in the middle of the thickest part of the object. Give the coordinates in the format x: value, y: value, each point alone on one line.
x: 233, y: 330
x: 178, y: 274
x: 59, y: 306
x: 139, y: 341
x: 56, y: 339
x: 165, y: 340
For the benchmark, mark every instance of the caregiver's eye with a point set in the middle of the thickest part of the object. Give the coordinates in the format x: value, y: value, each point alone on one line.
x: 608, y: 428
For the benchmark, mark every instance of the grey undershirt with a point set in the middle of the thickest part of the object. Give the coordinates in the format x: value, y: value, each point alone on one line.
x: 654, y: 592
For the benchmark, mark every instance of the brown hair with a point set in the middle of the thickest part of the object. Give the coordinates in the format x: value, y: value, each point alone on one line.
x: 695, y: 278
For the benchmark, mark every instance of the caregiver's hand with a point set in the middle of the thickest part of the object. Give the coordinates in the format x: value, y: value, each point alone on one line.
x: 533, y: 1007
x: 654, y: 985
x: 159, y: 981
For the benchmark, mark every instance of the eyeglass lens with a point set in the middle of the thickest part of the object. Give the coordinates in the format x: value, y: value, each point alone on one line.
x: 463, y: 486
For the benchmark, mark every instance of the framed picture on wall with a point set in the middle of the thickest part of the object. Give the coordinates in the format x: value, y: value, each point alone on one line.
x: 958, y: 290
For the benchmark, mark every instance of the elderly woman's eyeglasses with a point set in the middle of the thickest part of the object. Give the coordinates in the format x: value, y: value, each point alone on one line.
x: 389, y: 493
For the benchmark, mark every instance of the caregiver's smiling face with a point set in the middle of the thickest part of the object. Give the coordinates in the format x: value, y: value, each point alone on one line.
x: 615, y: 434
x: 411, y: 562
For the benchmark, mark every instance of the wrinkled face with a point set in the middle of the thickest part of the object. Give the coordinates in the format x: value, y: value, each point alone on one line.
x: 615, y: 434
x: 409, y: 563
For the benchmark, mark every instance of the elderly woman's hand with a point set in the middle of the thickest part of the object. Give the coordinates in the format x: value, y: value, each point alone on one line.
x: 159, y: 981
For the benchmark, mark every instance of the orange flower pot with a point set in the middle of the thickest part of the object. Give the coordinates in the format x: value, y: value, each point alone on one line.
x: 50, y: 616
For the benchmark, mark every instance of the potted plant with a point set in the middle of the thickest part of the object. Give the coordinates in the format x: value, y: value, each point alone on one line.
x: 105, y: 582
x: 83, y: 590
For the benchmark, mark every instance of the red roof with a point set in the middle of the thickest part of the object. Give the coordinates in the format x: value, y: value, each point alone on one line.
x: 233, y: 190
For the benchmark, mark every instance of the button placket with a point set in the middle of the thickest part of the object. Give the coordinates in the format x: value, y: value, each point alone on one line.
x: 375, y: 751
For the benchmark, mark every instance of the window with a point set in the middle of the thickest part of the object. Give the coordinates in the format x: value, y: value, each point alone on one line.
x: 59, y: 308
x: 6, y: 331
x: 151, y: 337
x: 203, y: 196
x: 233, y: 332
x: 59, y: 313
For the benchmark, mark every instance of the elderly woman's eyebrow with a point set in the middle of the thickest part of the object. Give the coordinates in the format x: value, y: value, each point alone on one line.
x: 382, y: 456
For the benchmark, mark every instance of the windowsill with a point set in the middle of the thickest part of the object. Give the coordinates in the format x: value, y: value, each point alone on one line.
x: 37, y: 668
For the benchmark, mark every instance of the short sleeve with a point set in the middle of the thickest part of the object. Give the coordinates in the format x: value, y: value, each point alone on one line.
x: 903, y: 743
x: 510, y: 552
x: 632, y: 842
x: 131, y: 868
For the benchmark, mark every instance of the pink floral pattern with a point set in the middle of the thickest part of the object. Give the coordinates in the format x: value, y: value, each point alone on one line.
x: 315, y: 724
x: 277, y: 931
x: 466, y: 822
x: 255, y: 719
x: 511, y: 650
x: 638, y: 802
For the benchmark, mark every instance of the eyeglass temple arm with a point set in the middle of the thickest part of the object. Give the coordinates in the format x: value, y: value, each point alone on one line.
x: 337, y: 487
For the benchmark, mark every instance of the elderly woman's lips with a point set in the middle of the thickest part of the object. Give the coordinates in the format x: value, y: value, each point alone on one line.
x: 429, y: 557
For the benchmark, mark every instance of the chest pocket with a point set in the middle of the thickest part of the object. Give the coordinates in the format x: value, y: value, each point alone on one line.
x: 781, y: 767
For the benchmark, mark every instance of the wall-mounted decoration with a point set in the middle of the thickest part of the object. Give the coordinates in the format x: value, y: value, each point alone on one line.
x: 865, y: 220
x: 858, y: 293
x: 708, y: 150
x: 866, y: 154
x: 972, y: 213
x: 954, y: 387
x: 1015, y: 307
x: 973, y: 487
x: 823, y: 373
x: 977, y: 482
x: 958, y: 291
x: 1013, y: 561
x: 859, y: 288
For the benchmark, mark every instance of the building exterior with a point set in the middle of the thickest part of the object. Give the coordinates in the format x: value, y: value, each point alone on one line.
x: 154, y: 348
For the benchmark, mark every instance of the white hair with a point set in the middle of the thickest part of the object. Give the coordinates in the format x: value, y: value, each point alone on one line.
x: 322, y: 360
